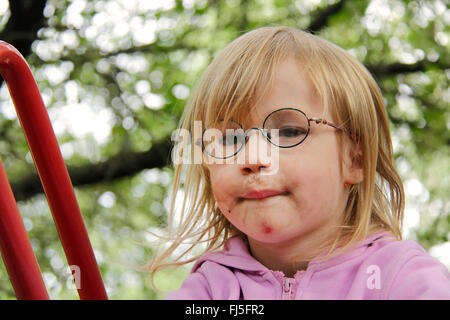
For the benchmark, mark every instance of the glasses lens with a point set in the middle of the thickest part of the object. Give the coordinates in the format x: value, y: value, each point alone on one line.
x: 287, y: 127
x: 223, y: 140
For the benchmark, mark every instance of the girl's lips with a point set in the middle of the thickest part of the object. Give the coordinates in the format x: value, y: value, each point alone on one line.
x: 261, y: 194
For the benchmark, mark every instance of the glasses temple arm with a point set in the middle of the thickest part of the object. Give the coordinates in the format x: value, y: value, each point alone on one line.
x: 323, y: 121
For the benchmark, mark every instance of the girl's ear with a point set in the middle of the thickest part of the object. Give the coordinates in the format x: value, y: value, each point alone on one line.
x: 353, y: 163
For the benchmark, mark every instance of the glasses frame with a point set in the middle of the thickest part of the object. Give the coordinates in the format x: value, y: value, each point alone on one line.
x: 265, y: 135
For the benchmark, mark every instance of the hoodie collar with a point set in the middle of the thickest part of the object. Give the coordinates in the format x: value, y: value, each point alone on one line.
x: 236, y: 254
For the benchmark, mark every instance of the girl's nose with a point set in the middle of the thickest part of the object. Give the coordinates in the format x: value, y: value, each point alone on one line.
x: 253, y: 168
x: 256, y: 156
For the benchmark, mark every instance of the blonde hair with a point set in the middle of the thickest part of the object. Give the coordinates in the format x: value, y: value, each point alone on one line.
x: 231, y: 86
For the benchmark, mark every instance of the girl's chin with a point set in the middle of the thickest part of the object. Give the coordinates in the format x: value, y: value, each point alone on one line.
x: 271, y: 229
x: 267, y: 236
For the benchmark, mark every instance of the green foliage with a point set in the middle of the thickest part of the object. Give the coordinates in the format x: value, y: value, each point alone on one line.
x: 115, y: 76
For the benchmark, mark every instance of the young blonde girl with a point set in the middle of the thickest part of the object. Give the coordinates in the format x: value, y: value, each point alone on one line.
x: 325, y: 221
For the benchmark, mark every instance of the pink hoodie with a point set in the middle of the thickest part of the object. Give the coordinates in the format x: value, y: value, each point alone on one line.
x: 380, y: 268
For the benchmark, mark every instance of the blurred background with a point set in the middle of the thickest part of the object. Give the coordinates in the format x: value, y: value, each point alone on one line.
x: 116, y: 74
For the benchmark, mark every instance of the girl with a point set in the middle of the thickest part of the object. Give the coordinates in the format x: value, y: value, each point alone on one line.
x: 322, y: 218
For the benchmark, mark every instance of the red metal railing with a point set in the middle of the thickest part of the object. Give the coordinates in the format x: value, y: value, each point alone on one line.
x: 17, y: 253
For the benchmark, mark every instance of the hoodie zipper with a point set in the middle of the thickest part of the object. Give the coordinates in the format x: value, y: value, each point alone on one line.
x: 288, y: 288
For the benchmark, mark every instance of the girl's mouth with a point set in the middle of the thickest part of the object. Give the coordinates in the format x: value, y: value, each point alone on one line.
x: 261, y: 194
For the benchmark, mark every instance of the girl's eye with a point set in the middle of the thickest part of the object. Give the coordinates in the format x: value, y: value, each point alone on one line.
x: 292, y: 132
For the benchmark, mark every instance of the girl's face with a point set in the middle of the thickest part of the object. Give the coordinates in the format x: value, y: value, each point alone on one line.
x: 301, y: 193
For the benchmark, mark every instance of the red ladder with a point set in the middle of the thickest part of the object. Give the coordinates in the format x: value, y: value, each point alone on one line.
x: 17, y: 253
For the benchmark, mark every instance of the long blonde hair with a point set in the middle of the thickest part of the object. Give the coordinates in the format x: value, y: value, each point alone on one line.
x: 231, y: 86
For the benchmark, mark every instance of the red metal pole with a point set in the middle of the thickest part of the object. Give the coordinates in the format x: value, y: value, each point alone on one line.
x: 16, y: 249
x: 52, y: 171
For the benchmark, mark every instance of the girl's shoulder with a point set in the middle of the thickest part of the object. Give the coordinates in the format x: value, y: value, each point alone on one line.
x: 386, y: 248
x: 407, y: 270
x: 385, y: 251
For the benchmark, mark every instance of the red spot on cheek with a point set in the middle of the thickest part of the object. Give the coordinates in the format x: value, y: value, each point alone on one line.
x: 267, y: 229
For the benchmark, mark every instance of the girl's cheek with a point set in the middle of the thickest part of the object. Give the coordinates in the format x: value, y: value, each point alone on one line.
x: 223, y: 196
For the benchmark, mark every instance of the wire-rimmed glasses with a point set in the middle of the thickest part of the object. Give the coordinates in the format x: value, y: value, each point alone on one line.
x: 284, y: 128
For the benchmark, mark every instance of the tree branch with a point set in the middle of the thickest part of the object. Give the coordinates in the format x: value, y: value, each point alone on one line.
x: 381, y: 70
x: 321, y: 17
x: 27, y: 17
x: 119, y: 166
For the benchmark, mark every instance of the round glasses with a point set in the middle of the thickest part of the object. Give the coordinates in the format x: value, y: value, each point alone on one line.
x: 284, y: 128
